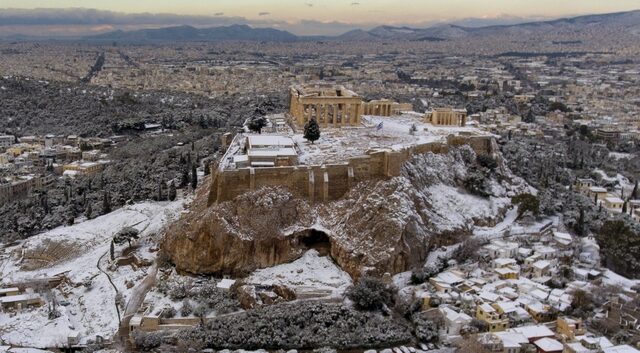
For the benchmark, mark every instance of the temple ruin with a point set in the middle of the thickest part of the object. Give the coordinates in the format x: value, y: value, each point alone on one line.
x: 330, y: 105
x: 447, y: 117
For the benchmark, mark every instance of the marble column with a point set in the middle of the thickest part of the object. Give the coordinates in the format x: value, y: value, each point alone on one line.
x: 346, y: 115
x: 334, y: 115
x: 354, y: 114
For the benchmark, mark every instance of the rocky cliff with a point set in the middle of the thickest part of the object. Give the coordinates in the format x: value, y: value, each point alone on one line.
x: 378, y: 226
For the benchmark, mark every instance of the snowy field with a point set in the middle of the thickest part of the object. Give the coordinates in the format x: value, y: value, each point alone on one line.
x: 85, y: 310
x: 311, y: 270
x: 338, y: 144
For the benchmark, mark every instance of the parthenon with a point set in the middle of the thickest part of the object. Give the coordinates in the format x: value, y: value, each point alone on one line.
x: 330, y: 105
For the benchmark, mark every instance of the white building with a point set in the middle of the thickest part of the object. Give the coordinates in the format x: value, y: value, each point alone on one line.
x: 6, y: 141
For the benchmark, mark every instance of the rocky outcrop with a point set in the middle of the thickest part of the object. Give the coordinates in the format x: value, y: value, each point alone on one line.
x: 377, y: 227
x: 237, y: 237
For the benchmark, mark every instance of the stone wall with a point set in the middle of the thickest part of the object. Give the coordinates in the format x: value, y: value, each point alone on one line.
x: 320, y: 183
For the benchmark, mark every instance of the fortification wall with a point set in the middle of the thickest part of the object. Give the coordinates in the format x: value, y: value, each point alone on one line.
x: 320, y: 183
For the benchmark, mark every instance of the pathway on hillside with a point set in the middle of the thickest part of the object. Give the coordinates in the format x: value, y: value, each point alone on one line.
x: 500, y: 229
x: 110, y: 281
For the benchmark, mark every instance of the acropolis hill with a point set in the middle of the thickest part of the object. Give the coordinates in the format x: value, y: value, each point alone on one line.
x: 352, y: 149
x: 376, y: 196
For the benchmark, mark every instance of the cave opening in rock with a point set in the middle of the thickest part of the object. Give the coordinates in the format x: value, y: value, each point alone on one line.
x: 317, y: 240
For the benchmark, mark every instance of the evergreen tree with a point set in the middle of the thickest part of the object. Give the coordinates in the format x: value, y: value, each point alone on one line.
x: 624, y: 208
x: 88, y: 211
x: 634, y: 193
x: 256, y: 124
x: 160, y: 195
x: 112, y: 251
x: 526, y: 203
x: 106, y: 203
x: 312, y: 130
x: 580, y: 226
x: 194, y: 177
x: 529, y: 117
x: 184, y: 181
x: 70, y: 214
x: 172, y: 191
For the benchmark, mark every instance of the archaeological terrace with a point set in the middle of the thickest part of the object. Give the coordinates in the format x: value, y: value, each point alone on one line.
x: 342, y: 157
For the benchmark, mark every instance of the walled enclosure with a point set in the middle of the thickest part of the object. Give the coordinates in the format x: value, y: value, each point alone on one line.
x: 319, y: 183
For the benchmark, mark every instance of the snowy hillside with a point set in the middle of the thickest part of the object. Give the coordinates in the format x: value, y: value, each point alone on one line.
x: 86, y: 298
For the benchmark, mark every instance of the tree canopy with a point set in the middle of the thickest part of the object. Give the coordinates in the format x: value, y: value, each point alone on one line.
x: 312, y: 130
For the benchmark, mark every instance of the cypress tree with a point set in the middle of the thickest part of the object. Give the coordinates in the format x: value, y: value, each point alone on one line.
x: 185, y: 177
x: 88, y: 211
x: 580, y: 224
x: 194, y: 177
x: 172, y: 191
x: 106, y: 203
x: 634, y: 193
x: 112, y: 251
x: 312, y: 130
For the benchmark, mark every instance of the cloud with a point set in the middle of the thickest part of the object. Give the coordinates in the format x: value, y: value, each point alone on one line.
x: 219, y: 14
x: 355, y: 3
x: 308, y: 4
x: 264, y: 13
x: 81, y: 16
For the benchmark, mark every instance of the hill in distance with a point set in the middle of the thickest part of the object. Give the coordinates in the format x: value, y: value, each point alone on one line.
x: 623, y: 22
x: 192, y: 34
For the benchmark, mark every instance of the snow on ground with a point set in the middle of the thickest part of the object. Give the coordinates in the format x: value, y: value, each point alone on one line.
x: 612, y: 278
x: 499, y: 229
x: 25, y: 350
x: 402, y: 279
x: 456, y: 209
x: 87, y: 311
x: 618, y: 155
x: 311, y: 270
x: 337, y: 144
x: 619, y: 179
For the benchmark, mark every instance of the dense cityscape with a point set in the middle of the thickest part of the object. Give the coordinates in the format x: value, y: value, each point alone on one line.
x: 395, y: 190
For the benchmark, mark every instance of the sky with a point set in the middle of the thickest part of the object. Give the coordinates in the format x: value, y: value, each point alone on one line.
x: 345, y: 14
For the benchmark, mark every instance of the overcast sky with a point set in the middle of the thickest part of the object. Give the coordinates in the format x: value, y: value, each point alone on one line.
x: 300, y: 16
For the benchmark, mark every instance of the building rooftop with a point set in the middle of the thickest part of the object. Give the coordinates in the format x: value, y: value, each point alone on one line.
x: 9, y: 290
x: 549, y: 345
x: 258, y: 141
x: 533, y: 331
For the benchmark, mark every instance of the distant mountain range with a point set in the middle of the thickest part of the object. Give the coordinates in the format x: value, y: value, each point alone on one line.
x: 625, y: 21
x: 622, y: 21
x: 189, y: 33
